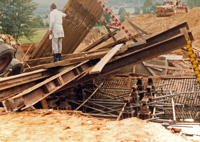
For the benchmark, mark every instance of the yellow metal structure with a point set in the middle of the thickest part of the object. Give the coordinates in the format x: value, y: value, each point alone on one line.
x: 8, y: 39
x: 193, y: 59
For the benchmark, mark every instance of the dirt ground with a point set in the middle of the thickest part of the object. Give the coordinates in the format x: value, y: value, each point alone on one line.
x: 55, y: 126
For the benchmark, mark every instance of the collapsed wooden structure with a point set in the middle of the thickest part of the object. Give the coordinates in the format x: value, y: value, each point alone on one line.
x: 41, y: 78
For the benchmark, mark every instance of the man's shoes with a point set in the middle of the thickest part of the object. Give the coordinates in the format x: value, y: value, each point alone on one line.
x: 56, y: 58
x: 59, y: 56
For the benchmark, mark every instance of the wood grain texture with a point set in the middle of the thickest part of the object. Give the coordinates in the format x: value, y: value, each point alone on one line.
x: 101, y: 64
x: 82, y: 15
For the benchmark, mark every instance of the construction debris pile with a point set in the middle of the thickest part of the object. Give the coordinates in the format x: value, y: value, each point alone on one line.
x: 116, y: 76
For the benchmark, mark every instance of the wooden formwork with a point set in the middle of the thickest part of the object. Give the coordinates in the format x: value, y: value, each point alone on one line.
x: 82, y: 15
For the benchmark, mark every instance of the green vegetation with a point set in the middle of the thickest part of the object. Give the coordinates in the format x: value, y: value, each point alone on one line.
x: 150, y: 7
x: 39, y: 34
x: 17, y: 17
x: 123, y: 16
x: 107, y: 17
x: 121, y: 10
x: 193, y: 3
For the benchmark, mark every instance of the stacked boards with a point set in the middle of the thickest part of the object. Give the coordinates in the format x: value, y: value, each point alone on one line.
x: 82, y: 15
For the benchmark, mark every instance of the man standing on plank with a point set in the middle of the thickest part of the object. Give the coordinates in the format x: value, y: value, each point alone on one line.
x: 56, y: 31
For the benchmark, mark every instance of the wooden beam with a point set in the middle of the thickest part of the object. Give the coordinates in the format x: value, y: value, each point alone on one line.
x: 169, y: 68
x: 45, y: 88
x: 108, y: 29
x: 149, y: 69
x: 99, y: 41
x: 122, y: 40
x: 158, y: 69
x: 100, y: 65
x: 67, y: 62
x: 166, y: 65
x: 44, y: 104
x: 45, y: 60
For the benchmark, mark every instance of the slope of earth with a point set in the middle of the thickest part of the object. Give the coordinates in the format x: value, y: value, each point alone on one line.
x: 55, y: 126
x: 153, y: 24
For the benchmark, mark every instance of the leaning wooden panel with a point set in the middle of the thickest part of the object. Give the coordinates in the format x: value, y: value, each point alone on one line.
x: 82, y: 15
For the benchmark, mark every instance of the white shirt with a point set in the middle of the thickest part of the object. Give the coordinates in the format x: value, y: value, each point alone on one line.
x: 56, y: 23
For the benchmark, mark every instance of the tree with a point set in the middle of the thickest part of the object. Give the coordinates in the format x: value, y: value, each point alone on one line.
x: 40, y: 22
x: 137, y: 11
x: 107, y: 17
x: 147, y: 7
x: 123, y: 16
x: 150, y: 7
x: 193, y: 3
x: 17, y: 17
x: 121, y: 10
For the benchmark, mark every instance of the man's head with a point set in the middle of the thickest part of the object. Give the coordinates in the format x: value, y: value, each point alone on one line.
x: 53, y: 6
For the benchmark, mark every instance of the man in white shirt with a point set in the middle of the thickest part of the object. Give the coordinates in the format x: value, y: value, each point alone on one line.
x: 56, y: 31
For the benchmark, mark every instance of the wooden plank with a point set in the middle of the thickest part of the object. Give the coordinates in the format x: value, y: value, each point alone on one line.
x: 81, y: 17
x: 169, y: 68
x: 44, y: 104
x: 94, y: 15
x: 12, y: 81
x: 40, y: 91
x: 158, y: 69
x: 67, y: 62
x: 99, y: 41
x: 149, y: 69
x: 134, y: 68
x: 122, y: 40
x: 46, y: 60
x: 166, y: 65
x: 100, y: 65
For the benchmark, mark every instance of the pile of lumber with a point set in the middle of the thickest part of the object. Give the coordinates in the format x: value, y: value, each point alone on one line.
x: 42, y: 78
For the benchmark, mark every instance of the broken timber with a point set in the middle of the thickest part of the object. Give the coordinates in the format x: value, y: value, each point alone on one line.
x: 10, y: 86
x: 131, y: 56
x: 40, y: 91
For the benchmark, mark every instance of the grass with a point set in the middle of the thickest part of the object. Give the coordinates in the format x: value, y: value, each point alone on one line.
x: 36, y: 38
x: 41, y: 32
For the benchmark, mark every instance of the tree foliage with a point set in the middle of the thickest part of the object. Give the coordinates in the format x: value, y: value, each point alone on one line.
x: 107, y: 17
x: 17, y: 17
x: 150, y: 7
x: 121, y: 10
x: 123, y: 16
x: 193, y: 3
